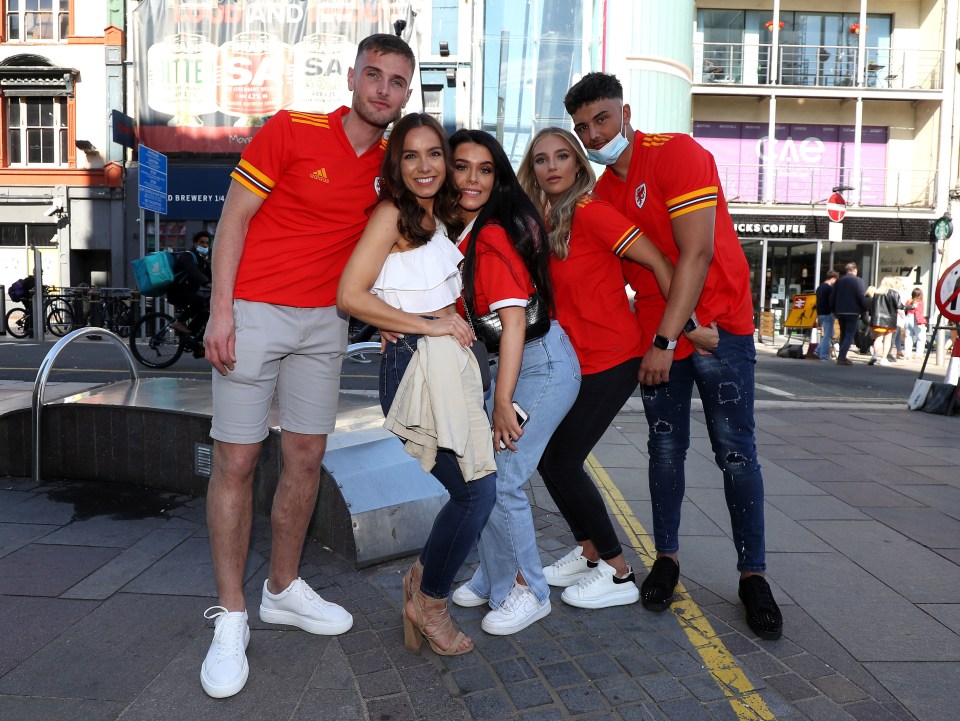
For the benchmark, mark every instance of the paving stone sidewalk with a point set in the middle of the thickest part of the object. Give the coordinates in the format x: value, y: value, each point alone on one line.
x: 102, y: 591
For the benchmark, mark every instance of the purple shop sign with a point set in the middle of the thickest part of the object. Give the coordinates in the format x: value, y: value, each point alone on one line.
x: 809, y: 160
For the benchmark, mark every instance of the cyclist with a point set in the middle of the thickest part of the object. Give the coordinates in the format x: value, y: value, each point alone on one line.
x: 190, y: 291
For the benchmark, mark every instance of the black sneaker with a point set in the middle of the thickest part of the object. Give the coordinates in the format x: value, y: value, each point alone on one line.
x: 763, y: 614
x: 656, y: 591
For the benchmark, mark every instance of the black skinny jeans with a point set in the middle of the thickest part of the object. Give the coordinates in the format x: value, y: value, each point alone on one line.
x: 601, y: 397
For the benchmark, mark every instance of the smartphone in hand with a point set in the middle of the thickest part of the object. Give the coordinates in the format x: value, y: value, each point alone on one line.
x: 522, y: 418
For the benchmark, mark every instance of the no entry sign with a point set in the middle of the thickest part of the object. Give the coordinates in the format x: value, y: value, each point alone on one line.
x: 836, y: 207
x: 948, y: 293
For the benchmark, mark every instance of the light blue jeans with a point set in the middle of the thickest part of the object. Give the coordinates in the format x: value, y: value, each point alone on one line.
x: 826, y: 337
x: 916, y: 336
x: 546, y: 389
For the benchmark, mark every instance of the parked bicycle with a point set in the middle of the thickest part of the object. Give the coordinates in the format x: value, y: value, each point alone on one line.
x: 58, y: 316
x: 116, y: 312
x: 156, y: 344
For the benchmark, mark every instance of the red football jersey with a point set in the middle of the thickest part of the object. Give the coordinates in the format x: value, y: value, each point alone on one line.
x: 500, y: 274
x: 588, y: 290
x: 317, y: 197
x: 671, y: 175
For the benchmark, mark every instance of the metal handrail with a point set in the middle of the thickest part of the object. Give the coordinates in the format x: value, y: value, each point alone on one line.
x: 748, y: 63
x: 355, y: 349
x: 47, y: 365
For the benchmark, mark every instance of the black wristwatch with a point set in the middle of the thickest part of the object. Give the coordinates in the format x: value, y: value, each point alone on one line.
x: 692, y: 324
x: 664, y: 343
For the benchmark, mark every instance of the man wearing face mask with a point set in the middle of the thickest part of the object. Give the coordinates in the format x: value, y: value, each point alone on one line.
x: 703, y: 333
x: 190, y: 291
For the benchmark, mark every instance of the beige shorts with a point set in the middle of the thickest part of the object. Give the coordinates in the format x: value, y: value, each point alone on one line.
x: 295, y: 352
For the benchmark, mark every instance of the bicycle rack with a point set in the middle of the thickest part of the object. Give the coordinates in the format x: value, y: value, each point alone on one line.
x: 47, y: 365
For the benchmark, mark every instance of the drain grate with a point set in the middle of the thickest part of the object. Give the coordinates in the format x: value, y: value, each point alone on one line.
x: 202, y: 459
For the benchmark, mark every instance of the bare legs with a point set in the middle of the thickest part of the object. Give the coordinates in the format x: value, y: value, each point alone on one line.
x: 230, y: 511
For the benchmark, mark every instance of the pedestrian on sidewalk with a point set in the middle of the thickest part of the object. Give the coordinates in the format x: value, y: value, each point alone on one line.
x: 849, y: 304
x: 587, y: 239
x: 282, y: 242
x: 669, y: 186
x: 884, y: 304
x: 404, y: 278
x: 506, y: 264
x: 916, y: 325
x: 825, y: 315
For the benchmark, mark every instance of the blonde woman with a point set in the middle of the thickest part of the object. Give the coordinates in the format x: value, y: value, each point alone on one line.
x: 587, y: 240
x: 884, y: 304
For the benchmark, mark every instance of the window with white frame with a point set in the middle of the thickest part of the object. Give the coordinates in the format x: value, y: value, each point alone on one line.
x: 37, y: 131
x: 36, y: 20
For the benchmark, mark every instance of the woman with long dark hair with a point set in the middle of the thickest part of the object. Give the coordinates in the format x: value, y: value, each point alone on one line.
x: 506, y: 261
x: 587, y: 240
x: 404, y: 276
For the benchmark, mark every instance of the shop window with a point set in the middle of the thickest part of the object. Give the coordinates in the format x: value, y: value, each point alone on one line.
x: 19, y: 235
x: 173, y: 236
x: 36, y: 20
x: 37, y: 132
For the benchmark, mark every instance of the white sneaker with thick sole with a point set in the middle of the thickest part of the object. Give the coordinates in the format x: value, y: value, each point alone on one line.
x: 569, y: 569
x: 602, y: 589
x: 464, y: 596
x: 520, y: 609
x: 299, y: 605
x: 225, y: 670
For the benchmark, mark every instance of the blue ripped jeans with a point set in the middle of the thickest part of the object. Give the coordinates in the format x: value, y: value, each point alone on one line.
x: 457, y: 525
x: 725, y: 382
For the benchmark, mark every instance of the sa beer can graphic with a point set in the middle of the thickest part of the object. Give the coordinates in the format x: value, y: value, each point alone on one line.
x: 254, y: 75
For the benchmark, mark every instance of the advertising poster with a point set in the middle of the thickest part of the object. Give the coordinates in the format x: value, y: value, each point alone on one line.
x: 809, y: 161
x: 215, y: 70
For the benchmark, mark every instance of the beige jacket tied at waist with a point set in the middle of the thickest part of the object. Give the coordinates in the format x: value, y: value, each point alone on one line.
x: 439, y: 405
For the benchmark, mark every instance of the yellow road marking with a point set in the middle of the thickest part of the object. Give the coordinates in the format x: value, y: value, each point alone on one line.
x: 744, y: 699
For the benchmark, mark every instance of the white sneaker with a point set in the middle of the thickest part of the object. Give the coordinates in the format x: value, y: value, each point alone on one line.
x: 569, y: 569
x: 519, y: 610
x: 602, y: 589
x: 299, y: 605
x: 464, y: 596
x: 224, y: 671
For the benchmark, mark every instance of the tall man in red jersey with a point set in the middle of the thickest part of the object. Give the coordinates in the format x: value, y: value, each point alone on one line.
x: 668, y: 185
x: 294, y: 211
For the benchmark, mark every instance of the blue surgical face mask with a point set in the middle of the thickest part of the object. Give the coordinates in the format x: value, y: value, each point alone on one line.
x: 611, y: 152
x: 202, y: 249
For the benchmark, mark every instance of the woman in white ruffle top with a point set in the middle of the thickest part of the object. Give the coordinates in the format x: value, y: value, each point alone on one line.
x: 403, y: 277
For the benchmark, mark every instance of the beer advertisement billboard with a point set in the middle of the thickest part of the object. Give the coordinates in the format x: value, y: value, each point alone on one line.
x: 211, y: 72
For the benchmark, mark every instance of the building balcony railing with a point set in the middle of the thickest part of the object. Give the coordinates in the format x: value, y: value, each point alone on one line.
x: 830, y: 66
x: 793, y: 185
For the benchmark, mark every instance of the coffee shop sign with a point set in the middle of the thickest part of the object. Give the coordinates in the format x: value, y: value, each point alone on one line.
x: 772, y: 228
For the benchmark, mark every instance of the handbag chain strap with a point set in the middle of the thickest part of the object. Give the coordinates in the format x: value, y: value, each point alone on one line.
x: 466, y: 310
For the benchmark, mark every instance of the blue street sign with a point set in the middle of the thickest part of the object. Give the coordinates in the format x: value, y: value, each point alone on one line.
x: 152, y: 180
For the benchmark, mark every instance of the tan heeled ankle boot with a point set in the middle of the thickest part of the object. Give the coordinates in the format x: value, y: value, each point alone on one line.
x: 434, y: 623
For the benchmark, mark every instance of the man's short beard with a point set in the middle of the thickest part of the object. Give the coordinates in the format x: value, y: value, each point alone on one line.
x: 361, y: 110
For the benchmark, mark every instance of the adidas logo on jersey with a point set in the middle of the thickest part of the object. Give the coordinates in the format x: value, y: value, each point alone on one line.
x: 320, y: 175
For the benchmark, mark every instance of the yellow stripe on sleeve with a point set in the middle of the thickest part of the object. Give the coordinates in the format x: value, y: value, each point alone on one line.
x: 247, y: 167
x: 255, y: 189
x: 709, y: 190
x: 691, y: 208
